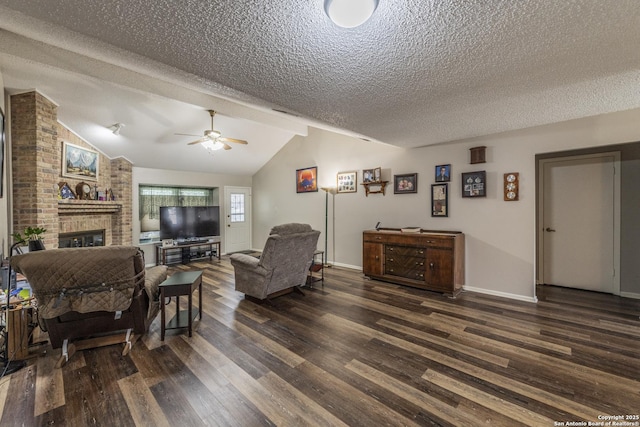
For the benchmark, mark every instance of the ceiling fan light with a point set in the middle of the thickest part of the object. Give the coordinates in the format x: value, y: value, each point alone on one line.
x: 213, y: 145
x: 350, y: 13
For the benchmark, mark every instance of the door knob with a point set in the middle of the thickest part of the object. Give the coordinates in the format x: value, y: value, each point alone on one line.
x: 550, y: 230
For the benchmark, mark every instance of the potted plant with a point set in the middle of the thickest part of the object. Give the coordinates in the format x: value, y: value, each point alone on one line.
x: 32, y: 235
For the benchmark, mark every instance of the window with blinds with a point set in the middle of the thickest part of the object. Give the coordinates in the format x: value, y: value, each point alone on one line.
x: 152, y: 197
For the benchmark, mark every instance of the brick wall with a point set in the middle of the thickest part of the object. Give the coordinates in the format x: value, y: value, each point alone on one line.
x: 122, y: 187
x: 37, y: 141
x: 35, y: 164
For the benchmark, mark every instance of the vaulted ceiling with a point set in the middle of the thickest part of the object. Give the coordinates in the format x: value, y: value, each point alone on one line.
x: 419, y: 72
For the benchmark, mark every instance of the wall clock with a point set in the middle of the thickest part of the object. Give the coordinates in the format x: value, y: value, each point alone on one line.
x: 83, y: 190
x: 511, y: 186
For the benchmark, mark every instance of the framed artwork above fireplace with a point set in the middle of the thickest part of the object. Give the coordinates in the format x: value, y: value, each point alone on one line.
x: 79, y: 162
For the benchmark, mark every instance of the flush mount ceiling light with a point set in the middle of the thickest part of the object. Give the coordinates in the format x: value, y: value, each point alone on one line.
x: 115, y: 128
x: 350, y: 13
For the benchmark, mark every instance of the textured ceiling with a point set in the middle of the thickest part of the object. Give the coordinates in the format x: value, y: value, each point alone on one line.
x: 419, y: 72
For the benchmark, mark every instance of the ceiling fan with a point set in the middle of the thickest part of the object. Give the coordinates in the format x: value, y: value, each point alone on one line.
x: 213, y: 139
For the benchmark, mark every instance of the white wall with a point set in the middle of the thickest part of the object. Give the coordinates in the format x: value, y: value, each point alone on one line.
x: 500, y: 236
x: 180, y: 178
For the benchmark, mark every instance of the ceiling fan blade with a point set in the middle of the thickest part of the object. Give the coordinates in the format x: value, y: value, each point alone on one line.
x: 198, y: 141
x: 237, y: 141
x: 226, y: 146
x: 185, y: 134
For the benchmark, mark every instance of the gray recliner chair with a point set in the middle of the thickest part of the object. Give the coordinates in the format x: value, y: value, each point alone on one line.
x: 283, y: 265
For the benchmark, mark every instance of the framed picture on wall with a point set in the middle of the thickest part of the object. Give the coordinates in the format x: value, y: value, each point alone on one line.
x: 307, y: 180
x: 474, y: 184
x: 439, y: 199
x: 443, y: 173
x: 371, y: 175
x: 79, y: 162
x: 407, y: 183
x: 347, y: 182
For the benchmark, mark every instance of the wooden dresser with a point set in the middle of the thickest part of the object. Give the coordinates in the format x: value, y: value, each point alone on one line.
x: 432, y: 260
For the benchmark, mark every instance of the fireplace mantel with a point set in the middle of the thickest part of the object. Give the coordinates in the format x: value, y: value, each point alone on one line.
x: 79, y: 207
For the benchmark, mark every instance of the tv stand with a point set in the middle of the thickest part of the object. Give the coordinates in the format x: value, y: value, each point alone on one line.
x: 187, y: 251
x: 192, y: 242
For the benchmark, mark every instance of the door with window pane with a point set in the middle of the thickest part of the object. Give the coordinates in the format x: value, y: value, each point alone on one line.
x: 237, y: 219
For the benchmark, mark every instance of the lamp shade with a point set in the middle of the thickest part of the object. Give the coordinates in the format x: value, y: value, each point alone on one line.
x: 350, y: 13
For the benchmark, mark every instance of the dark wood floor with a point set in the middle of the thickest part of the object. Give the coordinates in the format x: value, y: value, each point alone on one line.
x: 358, y: 353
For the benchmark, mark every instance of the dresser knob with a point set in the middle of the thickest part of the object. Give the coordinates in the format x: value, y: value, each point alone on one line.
x: 390, y: 249
x: 390, y: 259
x: 432, y: 266
x: 419, y: 263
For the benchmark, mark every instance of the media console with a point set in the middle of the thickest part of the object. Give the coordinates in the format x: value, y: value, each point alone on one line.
x: 189, y: 250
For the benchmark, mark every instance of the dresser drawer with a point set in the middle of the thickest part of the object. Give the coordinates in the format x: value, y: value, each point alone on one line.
x: 409, y: 239
x: 405, y: 261
x: 413, y: 273
x: 403, y: 251
x: 437, y: 242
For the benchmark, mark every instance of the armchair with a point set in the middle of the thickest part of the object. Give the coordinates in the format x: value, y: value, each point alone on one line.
x: 283, y: 265
x: 88, y: 294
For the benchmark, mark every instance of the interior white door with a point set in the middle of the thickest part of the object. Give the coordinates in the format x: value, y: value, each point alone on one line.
x: 578, y: 224
x: 238, y: 219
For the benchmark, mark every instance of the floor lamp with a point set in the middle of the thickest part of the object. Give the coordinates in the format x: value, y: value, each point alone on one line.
x: 326, y: 190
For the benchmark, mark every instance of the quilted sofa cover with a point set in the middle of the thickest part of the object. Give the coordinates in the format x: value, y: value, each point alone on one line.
x: 83, y: 292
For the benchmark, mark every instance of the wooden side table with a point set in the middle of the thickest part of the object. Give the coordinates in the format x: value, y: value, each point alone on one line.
x: 182, y: 283
x: 315, y: 268
x: 18, y: 324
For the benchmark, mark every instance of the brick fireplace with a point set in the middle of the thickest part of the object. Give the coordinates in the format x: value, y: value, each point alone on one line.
x: 36, y: 158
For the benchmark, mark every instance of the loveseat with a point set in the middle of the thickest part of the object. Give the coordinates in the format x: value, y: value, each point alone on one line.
x: 93, y: 292
x: 283, y: 265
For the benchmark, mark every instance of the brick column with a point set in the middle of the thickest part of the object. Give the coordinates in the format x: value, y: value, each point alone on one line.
x: 121, y: 185
x: 36, y: 164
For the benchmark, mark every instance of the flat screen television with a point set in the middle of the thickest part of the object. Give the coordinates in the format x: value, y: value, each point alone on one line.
x: 189, y: 222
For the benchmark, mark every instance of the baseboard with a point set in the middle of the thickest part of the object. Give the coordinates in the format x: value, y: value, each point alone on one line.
x: 630, y: 295
x: 500, y: 294
x: 352, y: 267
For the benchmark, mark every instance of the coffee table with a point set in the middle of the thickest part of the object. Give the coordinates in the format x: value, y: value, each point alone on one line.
x: 176, y: 285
